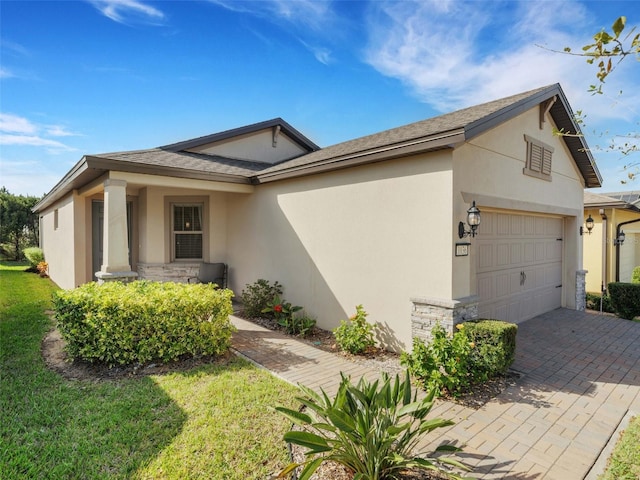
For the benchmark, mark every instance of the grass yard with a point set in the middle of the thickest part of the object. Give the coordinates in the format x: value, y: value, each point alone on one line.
x: 624, y: 463
x: 215, y: 421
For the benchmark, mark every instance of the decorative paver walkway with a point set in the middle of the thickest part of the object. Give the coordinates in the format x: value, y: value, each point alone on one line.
x: 580, y: 378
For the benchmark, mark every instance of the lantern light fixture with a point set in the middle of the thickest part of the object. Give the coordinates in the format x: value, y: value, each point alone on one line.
x: 473, y: 220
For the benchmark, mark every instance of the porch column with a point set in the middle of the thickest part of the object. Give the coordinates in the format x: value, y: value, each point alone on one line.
x: 115, y: 261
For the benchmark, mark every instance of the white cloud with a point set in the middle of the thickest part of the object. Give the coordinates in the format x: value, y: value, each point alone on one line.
x: 15, y: 124
x: 310, y: 18
x: 129, y: 11
x: 59, y: 131
x: 6, y: 73
x: 314, y: 14
x: 53, y: 146
x: 20, y: 131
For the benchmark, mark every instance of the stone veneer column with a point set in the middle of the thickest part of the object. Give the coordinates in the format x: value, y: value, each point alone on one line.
x: 427, y: 312
x: 115, y: 261
x: 581, y: 290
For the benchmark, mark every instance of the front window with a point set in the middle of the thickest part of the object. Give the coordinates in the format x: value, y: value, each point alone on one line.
x: 187, y: 231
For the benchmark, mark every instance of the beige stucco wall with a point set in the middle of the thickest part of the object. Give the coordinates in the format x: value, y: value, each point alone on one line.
x: 256, y: 146
x: 154, y: 217
x: 374, y: 235
x: 600, y: 252
x: 489, y: 169
x: 64, y: 246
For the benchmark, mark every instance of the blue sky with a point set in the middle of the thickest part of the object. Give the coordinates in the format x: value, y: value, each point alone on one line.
x: 88, y: 77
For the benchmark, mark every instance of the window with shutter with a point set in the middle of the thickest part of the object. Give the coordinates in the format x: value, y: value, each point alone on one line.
x: 538, y: 163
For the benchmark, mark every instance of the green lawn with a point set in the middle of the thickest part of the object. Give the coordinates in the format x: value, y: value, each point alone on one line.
x: 624, y: 463
x: 213, y: 421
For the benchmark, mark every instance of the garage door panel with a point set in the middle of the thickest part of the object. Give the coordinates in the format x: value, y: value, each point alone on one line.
x: 485, y: 256
x: 519, y: 266
x: 516, y: 254
x: 554, y: 251
x: 502, y: 225
x: 503, y: 251
x: 516, y: 225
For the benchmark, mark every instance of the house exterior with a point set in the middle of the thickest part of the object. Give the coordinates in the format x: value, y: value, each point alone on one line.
x: 371, y: 221
x: 607, y: 259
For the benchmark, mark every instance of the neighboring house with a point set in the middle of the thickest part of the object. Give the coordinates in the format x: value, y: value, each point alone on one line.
x: 370, y: 221
x: 606, y: 259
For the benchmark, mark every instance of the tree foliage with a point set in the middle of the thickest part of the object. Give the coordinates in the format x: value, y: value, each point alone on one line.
x: 610, y: 46
x: 18, y: 223
x: 607, y: 50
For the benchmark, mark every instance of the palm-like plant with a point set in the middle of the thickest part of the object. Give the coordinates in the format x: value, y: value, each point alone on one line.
x: 370, y: 428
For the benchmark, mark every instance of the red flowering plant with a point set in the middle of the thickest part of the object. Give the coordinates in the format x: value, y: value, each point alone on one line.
x: 282, y: 311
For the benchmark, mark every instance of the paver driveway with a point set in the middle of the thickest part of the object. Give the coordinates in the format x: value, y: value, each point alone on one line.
x: 580, y: 377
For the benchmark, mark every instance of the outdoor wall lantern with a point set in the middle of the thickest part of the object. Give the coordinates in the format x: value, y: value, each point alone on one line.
x: 620, y: 239
x: 473, y: 219
x: 589, y: 224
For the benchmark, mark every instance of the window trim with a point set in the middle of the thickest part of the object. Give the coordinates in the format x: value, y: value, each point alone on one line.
x: 170, y: 251
x: 546, y: 156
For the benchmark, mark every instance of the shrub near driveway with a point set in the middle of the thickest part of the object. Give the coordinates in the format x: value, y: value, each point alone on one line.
x: 143, y: 321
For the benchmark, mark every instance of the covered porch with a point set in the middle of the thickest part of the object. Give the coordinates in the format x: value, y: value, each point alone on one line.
x: 154, y: 227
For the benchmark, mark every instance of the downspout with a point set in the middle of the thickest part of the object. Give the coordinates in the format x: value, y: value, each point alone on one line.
x: 603, y: 282
x: 618, y: 246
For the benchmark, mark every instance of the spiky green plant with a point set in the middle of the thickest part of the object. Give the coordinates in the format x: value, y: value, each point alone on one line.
x: 373, y: 429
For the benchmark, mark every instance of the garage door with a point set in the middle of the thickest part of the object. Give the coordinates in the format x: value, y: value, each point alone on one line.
x: 519, y: 265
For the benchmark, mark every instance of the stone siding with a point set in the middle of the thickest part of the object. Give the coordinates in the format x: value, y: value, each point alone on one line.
x: 426, y: 313
x: 581, y: 290
x: 168, y: 272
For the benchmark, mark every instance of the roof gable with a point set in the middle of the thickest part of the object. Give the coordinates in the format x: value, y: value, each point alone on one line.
x: 444, y: 131
x: 270, y: 141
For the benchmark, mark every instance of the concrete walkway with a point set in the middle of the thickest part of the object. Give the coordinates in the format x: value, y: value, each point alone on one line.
x: 580, y: 378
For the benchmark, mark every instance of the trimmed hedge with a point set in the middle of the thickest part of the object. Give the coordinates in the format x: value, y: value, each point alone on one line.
x: 495, y: 346
x: 625, y: 298
x: 142, y: 321
x: 593, y: 302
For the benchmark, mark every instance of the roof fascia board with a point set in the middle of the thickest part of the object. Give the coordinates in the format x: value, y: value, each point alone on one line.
x: 171, y: 181
x: 389, y: 152
x: 63, y: 186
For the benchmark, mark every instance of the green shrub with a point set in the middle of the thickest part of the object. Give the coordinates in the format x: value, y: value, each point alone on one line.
x: 443, y: 363
x: 593, y: 303
x: 494, y: 347
x: 373, y: 429
x: 299, y: 324
x: 143, y: 321
x: 256, y: 297
x: 357, y: 335
x: 625, y: 298
x: 34, y: 255
x: 635, y: 275
x: 284, y: 314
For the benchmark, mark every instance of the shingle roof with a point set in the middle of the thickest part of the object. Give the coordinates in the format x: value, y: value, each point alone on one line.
x: 444, y: 131
x: 196, y: 162
x: 448, y: 129
x: 628, y: 200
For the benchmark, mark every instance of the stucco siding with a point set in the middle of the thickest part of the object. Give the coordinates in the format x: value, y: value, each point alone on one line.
x: 489, y: 169
x: 59, y: 242
x: 374, y: 235
x: 600, y: 250
x: 256, y: 146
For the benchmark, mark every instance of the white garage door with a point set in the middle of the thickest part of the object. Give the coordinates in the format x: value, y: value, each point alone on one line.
x: 519, y: 265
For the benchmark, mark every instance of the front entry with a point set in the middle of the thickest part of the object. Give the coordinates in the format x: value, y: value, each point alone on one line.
x: 97, y: 233
x: 519, y: 266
